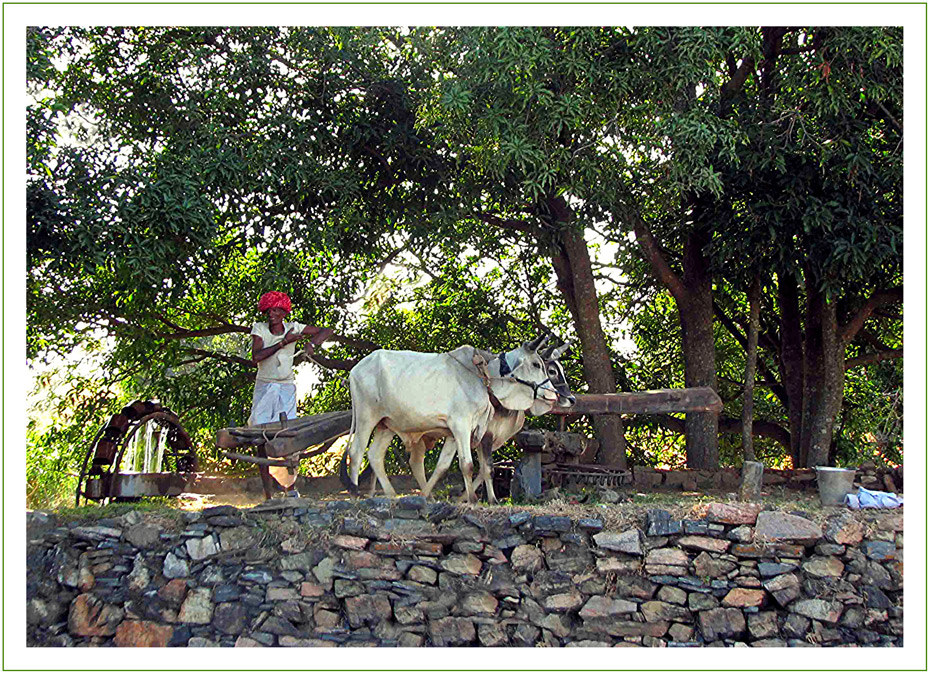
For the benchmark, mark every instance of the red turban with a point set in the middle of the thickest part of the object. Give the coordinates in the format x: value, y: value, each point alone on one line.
x: 274, y: 299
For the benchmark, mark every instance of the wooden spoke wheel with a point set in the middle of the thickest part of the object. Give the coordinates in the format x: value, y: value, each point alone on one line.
x: 142, y: 438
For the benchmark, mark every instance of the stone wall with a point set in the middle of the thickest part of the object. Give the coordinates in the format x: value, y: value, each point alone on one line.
x: 412, y: 573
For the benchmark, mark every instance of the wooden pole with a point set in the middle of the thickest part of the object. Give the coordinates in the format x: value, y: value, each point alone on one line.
x: 698, y: 399
x: 749, y: 380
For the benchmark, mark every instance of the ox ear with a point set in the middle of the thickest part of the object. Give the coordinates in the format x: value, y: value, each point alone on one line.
x: 536, y: 344
x: 557, y: 352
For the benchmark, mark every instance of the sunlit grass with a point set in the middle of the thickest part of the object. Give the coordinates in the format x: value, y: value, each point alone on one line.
x: 97, y: 511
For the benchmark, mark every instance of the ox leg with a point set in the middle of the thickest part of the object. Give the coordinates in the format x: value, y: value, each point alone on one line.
x: 364, y: 425
x: 442, y: 465
x: 379, y: 444
x: 462, y: 440
x: 417, y: 453
x: 486, y: 469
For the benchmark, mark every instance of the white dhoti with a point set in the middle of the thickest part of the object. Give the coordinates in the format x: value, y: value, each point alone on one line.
x: 269, y: 399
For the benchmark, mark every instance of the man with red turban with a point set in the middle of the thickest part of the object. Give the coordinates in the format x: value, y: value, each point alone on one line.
x: 273, y: 352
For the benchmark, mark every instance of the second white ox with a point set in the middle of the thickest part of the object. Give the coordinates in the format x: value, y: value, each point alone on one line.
x: 503, y: 424
x: 423, y: 396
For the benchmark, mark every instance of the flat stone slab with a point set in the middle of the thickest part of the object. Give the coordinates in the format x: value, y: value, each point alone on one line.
x: 95, y: 533
x: 606, y: 607
x: 630, y: 542
x: 667, y: 557
x: 818, y: 609
x: 742, y: 597
x: 726, y: 513
x: 782, y: 527
x: 824, y: 567
x: 704, y: 543
x: 753, y: 550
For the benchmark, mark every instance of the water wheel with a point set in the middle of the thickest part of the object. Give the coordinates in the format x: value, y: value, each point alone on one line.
x: 143, y: 437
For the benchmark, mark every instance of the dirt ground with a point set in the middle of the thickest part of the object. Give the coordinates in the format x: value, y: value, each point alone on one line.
x: 629, y: 510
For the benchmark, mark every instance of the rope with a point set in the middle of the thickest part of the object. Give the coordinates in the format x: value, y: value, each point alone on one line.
x: 482, y: 366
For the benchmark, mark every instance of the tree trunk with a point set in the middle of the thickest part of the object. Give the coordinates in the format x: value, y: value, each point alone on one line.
x: 572, y: 265
x: 749, y: 380
x: 697, y: 323
x: 695, y: 303
x: 824, y: 372
x: 791, y: 360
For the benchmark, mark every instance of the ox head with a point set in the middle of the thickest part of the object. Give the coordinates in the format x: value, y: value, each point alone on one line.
x: 556, y: 374
x: 526, y: 382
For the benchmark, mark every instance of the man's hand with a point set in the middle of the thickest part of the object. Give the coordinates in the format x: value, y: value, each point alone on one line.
x: 290, y: 337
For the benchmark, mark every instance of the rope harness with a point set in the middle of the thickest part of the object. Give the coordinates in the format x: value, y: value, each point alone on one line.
x: 482, y: 367
x: 506, y: 369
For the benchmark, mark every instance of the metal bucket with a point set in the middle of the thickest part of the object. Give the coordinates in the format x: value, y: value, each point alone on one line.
x: 834, y: 484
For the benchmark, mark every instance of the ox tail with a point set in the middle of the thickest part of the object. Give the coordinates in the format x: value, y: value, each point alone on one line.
x: 344, y: 463
x: 344, y: 474
x: 366, y: 475
x: 344, y: 477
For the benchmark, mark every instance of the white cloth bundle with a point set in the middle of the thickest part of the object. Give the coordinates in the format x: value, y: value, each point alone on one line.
x: 867, y: 498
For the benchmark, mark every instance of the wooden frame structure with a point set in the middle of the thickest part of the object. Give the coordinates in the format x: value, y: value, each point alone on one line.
x: 285, y: 443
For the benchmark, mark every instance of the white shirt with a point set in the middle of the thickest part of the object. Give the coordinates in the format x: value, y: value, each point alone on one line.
x: 278, y: 367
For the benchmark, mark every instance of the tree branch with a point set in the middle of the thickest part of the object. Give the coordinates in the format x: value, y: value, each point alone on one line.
x: 328, y: 363
x: 728, y: 90
x: 657, y: 261
x: 870, y: 338
x: 184, y: 333
x: 877, y: 299
x: 226, y: 358
x: 360, y: 344
x: 768, y: 377
x: 793, y: 51
x: 890, y: 118
x: 876, y: 357
x: 508, y: 223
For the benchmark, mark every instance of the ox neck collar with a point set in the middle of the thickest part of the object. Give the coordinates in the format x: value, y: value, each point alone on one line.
x: 505, y: 366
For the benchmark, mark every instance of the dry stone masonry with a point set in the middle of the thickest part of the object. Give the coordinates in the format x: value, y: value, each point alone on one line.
x: 415, y: 573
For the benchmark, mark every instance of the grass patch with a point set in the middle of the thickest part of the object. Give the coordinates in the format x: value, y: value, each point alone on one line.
x: 166, y: 507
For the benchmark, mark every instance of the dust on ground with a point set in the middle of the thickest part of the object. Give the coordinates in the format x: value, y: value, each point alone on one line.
x: 630, y: 510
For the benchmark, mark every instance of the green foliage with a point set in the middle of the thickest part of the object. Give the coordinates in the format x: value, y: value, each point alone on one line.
x: 872, y: 421
x: 387, y: 179
x: 62, y: 425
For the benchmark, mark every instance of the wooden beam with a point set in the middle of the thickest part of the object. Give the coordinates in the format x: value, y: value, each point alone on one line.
x: 329, y: 427
x: 662, y: 401
x: 303, y: 432
x: 259, y: 460
x: 296, y: 435
x: 299, y: 429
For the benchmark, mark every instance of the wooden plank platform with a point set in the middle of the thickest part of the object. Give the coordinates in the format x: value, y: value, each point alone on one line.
x: 698, y: 399
x: 294, y: 436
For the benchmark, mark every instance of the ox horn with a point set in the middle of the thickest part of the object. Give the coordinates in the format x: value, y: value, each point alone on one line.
x: 536, y: 344
x: 556, y: 352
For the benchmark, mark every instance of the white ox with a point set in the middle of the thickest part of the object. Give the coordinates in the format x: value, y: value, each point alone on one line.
x: 423, y: 396
x: 503, y: 424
